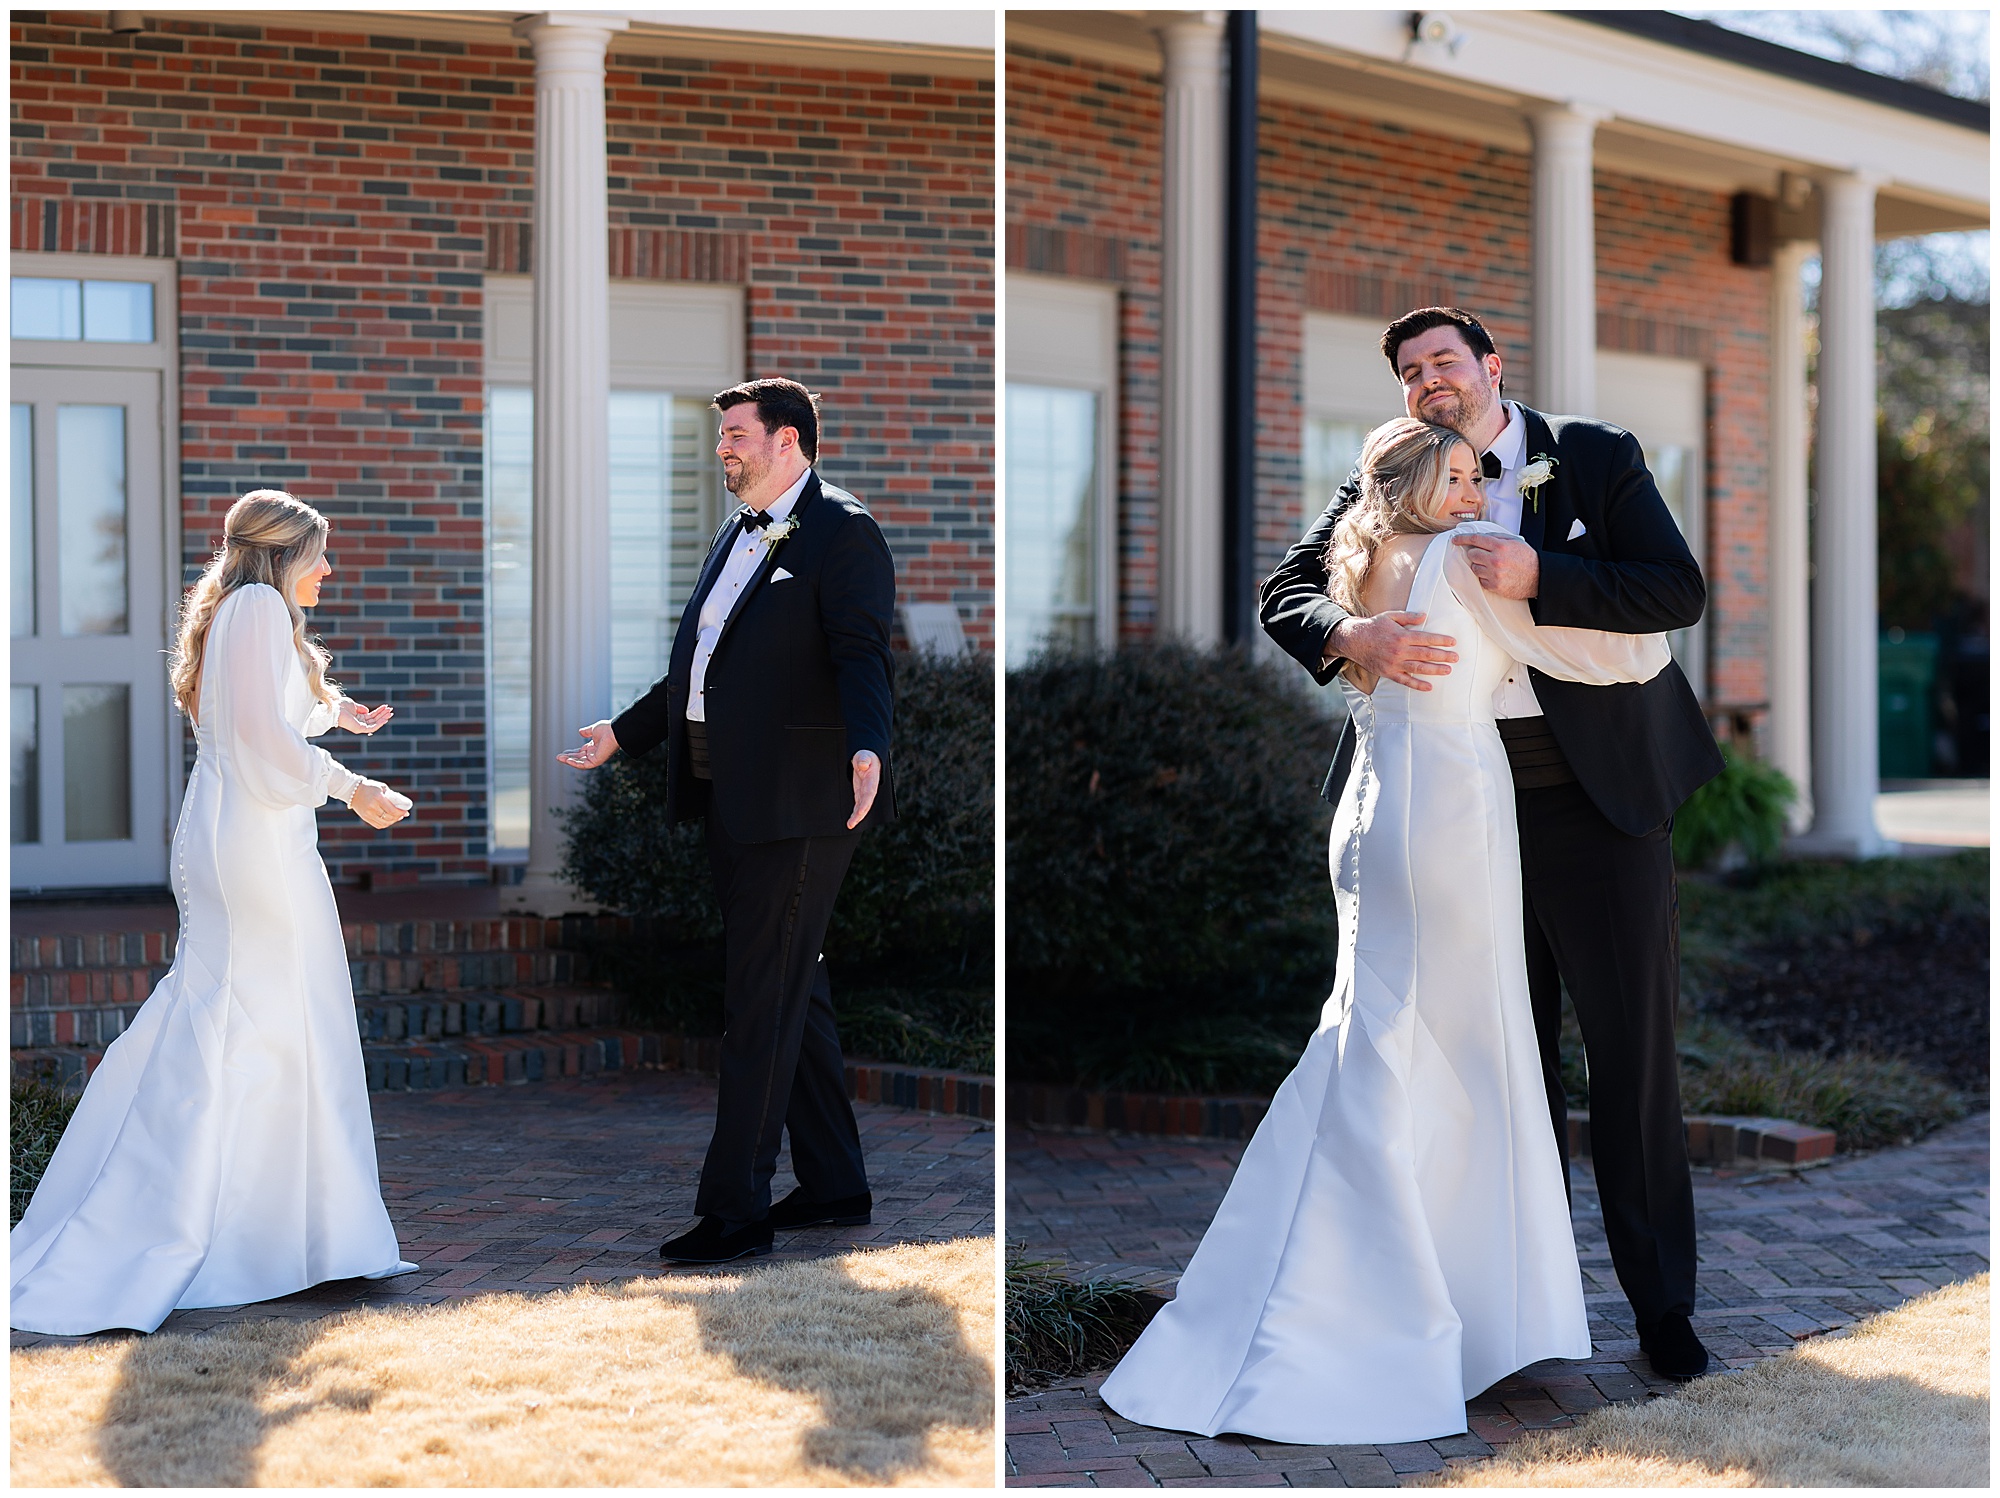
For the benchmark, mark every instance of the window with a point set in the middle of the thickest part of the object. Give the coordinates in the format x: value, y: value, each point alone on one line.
x: 58, y: 309
x: 1062, y: 500
x: 672, y: 348
x: 664, y: 508
x: 1663, y: 402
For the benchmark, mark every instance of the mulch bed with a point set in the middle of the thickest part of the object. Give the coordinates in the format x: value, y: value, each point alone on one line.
x: 1922, y: 995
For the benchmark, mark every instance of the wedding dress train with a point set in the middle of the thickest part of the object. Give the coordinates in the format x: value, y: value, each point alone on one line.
x: 223, y: 1151
x: 1397, y: 1237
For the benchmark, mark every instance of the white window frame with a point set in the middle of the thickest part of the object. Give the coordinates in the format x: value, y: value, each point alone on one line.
x: 161, y: 356
x: 678, y: 338
x: 1664, y: 402
x: 1064, y: 332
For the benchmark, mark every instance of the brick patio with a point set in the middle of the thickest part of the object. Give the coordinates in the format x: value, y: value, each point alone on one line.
x: 581, y: 1179
x: 1785, y: 1255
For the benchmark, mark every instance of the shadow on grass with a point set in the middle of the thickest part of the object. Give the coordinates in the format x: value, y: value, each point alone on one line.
x: 889, y: 1364
x: 195, y: 1410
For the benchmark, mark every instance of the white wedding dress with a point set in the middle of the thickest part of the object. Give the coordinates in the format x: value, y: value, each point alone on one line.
x: 223, y: 1151
x: 1397, y: 1237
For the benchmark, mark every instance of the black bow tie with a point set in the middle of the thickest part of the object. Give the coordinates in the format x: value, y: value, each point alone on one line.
x: 1490, y: 466
x: 754, y: 520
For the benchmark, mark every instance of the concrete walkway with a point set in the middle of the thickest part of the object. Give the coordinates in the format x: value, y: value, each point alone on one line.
x: 1785, y: 1255
x: 529, y: 1188
x: 1936, y: 813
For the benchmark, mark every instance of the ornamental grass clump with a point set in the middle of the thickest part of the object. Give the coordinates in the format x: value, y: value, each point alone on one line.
x: 1058, y: 1327
x: 39, y: 1115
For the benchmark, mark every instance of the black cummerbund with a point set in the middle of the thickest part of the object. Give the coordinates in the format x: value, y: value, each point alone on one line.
x: 698, y: 748
x: 1533, y: 754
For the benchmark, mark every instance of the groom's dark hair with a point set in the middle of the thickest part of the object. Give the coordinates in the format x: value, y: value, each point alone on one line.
x: 1406, y: 327
x: 780, y: 403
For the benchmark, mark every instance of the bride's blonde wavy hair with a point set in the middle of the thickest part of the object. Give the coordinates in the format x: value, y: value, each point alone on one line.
x: 267, y: 537
x: 1405, y: 480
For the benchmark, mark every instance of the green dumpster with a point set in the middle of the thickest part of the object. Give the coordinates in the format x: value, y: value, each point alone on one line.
x: 1906, y: 675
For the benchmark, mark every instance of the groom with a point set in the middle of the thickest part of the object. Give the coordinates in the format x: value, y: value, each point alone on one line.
x: 1598, y: 771
x: 775, y: 712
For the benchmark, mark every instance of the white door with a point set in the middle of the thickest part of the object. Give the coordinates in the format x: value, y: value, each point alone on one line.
x: 89, y: 764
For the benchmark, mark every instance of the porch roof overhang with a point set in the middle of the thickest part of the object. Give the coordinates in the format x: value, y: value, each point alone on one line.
x: 959, y: 43
x: 1672, y: 113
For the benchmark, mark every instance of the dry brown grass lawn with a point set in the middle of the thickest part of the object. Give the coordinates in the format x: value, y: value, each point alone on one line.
x: 872, y: 1369
x: 1902, y: 1402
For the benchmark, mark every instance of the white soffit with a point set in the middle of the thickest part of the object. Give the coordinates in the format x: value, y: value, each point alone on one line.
x: 1536, y: 57
x: 958, y: 44
x: 1680, y: 117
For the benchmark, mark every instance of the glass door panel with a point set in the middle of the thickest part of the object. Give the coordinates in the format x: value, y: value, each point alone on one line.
x: 90, y: 770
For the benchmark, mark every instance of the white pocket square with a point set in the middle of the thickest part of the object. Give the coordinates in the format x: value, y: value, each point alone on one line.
x: 1575, y: 530
x: 780, y: 575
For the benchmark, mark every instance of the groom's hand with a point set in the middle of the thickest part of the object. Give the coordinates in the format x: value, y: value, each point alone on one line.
x: 1391, y: 646
x: 1505, y: 565
x: 867, y: 781
x: 603, y: 744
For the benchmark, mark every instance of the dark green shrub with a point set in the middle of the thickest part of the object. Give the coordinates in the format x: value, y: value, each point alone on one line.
x: 40, y: 1114
x: 1743, y: 807
x: 1169, y: 917
x: 1058, y: 1327
x: 920, y: 887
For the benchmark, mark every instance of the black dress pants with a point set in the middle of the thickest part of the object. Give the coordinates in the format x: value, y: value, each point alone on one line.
x: 1603, y: 919
x: 781, y: 1069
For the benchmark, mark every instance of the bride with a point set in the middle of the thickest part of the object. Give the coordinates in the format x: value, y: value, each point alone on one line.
x: 223, y: 1152
x: 1397, y: 1237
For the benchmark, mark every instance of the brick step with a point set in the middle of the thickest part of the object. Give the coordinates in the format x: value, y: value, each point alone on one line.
x: 498, y: 1060
x: 365, y: 941
x: 432, y: 1016
x: 125, y: 987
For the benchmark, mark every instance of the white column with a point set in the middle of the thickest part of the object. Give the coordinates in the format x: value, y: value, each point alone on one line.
x: 1191, y: 317
x: 571, y: 681
x: 1788, y: 741
x: 1565, y: 259
x: 1846, y: 770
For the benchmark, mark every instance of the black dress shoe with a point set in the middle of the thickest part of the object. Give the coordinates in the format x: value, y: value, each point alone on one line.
x: 798, y: 1211
x: 710, y: 1242
x: 1673, y: 1349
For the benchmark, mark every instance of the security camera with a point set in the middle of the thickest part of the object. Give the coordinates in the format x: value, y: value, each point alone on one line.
x: 1436, y: 28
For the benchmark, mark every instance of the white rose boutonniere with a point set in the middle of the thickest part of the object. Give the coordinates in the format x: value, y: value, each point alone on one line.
x: 779, y: 530
x: 1537, y: 473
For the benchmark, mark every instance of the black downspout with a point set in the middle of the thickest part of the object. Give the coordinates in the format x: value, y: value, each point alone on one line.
x: 1239, y: 359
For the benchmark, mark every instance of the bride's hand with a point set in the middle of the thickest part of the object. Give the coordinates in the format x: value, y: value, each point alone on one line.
x: 358, y: 719
x: 379, y: 806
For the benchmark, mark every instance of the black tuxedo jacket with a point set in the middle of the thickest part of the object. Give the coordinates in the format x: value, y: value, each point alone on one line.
x: 800, y: 681
x: 1639, y: 749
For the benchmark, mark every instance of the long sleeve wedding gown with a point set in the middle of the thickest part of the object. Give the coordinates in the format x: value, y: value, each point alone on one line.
x: 223, y: 1151
x: 1397, y: 1237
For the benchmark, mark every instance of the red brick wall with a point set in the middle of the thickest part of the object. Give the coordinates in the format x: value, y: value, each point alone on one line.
x: 1083, y: 199
x: 334, y: 199
x: 1369, y: 220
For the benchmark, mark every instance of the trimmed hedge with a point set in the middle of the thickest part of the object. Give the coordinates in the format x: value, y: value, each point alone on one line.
x: 1169, y: 921
x: 912, y: 932
x: 1742, y: 808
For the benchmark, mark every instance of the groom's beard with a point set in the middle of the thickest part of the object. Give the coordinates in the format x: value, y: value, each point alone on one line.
x: 747, y: 474
x: 1457, y: 410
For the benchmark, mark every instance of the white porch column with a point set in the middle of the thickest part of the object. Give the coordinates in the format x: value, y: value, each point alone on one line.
x: 1846, y: 769
x: 571, y: 680
x: 1789, y: 738
x: 1191, y: 317
x: 1565, y: 259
